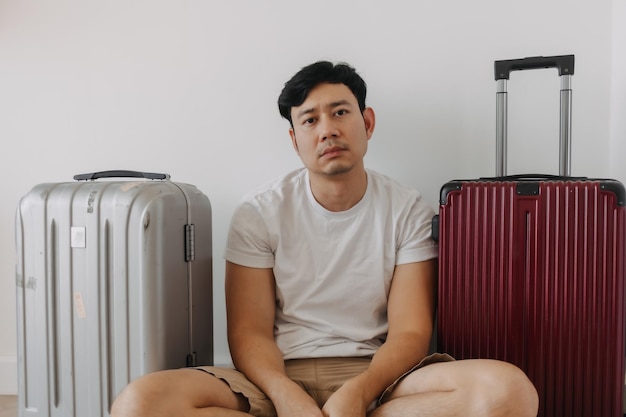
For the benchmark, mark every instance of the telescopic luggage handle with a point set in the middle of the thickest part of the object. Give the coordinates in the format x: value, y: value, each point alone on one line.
x: 502, y: 70
x: 122, y: 174
x: 564, y: 63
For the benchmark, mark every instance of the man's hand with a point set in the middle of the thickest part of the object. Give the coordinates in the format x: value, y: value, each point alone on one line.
x: 347, y: 401
x: 295, y: 402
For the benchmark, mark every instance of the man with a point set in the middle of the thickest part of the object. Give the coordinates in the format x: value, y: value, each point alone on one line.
x: 330, y: 290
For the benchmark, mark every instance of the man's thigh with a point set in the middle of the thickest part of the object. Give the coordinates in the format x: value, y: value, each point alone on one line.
x: 257, y: 403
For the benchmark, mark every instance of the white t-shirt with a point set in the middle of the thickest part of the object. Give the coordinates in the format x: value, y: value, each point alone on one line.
x: 333, y: 270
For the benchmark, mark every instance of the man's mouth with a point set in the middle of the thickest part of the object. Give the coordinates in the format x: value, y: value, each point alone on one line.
x: 332, y: 150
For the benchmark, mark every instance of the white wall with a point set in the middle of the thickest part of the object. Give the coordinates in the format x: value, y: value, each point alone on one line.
x: 618, y: 93
x: 189, y: 88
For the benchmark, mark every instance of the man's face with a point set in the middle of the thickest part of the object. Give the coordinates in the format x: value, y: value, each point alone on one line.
x: 329, y: 131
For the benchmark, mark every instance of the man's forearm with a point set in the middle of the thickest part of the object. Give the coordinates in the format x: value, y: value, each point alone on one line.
x: 258, y: 357
x: 395, y: 357
x: 262, y: 362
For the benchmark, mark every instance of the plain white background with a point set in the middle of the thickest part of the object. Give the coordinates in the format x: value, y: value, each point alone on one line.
x: 189, y: 87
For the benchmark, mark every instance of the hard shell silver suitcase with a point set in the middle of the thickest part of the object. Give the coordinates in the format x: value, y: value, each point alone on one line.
x: 114, y: 280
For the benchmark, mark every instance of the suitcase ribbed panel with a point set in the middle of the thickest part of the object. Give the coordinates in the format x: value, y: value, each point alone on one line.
x: 538, y: 281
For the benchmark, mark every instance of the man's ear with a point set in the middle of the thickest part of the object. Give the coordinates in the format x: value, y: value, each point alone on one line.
x: 292, y: 134
x: 370, y: 121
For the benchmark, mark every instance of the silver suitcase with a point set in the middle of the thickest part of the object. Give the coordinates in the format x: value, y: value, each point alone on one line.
x: 114, y: 280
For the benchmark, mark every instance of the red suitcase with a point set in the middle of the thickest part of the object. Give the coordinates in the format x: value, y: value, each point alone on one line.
x: 532, y: 272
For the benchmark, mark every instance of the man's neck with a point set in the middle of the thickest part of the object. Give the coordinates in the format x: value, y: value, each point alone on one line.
x: 339, y: 192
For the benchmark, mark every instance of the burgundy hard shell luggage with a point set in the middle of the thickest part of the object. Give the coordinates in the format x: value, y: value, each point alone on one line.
x: 531, y: 271
x: 114, y: 280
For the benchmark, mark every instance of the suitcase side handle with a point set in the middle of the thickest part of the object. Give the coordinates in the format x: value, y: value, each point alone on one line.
x: 564, y: 63
x: 121, y: 174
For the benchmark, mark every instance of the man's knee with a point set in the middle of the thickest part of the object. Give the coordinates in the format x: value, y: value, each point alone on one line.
x: 481, y: 387
x: 506, y: 390
x: 175, y: 392
x: 143, y: 397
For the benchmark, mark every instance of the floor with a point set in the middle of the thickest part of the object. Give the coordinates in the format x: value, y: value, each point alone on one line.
x: 8, y: 406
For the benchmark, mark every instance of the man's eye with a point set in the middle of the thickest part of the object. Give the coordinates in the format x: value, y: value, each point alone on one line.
x: 341, y: 112
x: 308, y: 121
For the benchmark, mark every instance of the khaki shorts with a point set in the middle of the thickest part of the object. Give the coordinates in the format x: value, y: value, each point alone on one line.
x: 320, y: 378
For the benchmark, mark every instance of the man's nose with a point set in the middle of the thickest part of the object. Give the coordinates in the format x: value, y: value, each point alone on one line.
x: 328, y: 129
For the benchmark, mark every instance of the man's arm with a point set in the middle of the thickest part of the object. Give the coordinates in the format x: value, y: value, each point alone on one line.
x: 411, y: 309
x: 250, y: 308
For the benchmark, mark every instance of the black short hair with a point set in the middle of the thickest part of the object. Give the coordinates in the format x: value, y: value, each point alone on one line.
x: 300, y: 85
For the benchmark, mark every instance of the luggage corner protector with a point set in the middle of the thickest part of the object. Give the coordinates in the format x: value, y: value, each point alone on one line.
x: 447, y: 189
x: 617, y: 188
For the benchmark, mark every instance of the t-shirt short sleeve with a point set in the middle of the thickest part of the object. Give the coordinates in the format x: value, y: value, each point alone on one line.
x: 415, y: 243
x: 248, y: 241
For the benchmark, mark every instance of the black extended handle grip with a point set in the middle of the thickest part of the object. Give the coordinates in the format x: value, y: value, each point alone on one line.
x: 121, y: 173
x: 564, y: 63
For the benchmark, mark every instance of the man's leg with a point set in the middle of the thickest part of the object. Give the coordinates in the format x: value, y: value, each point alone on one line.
x: 178, y: 392
x: 466, y: 388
